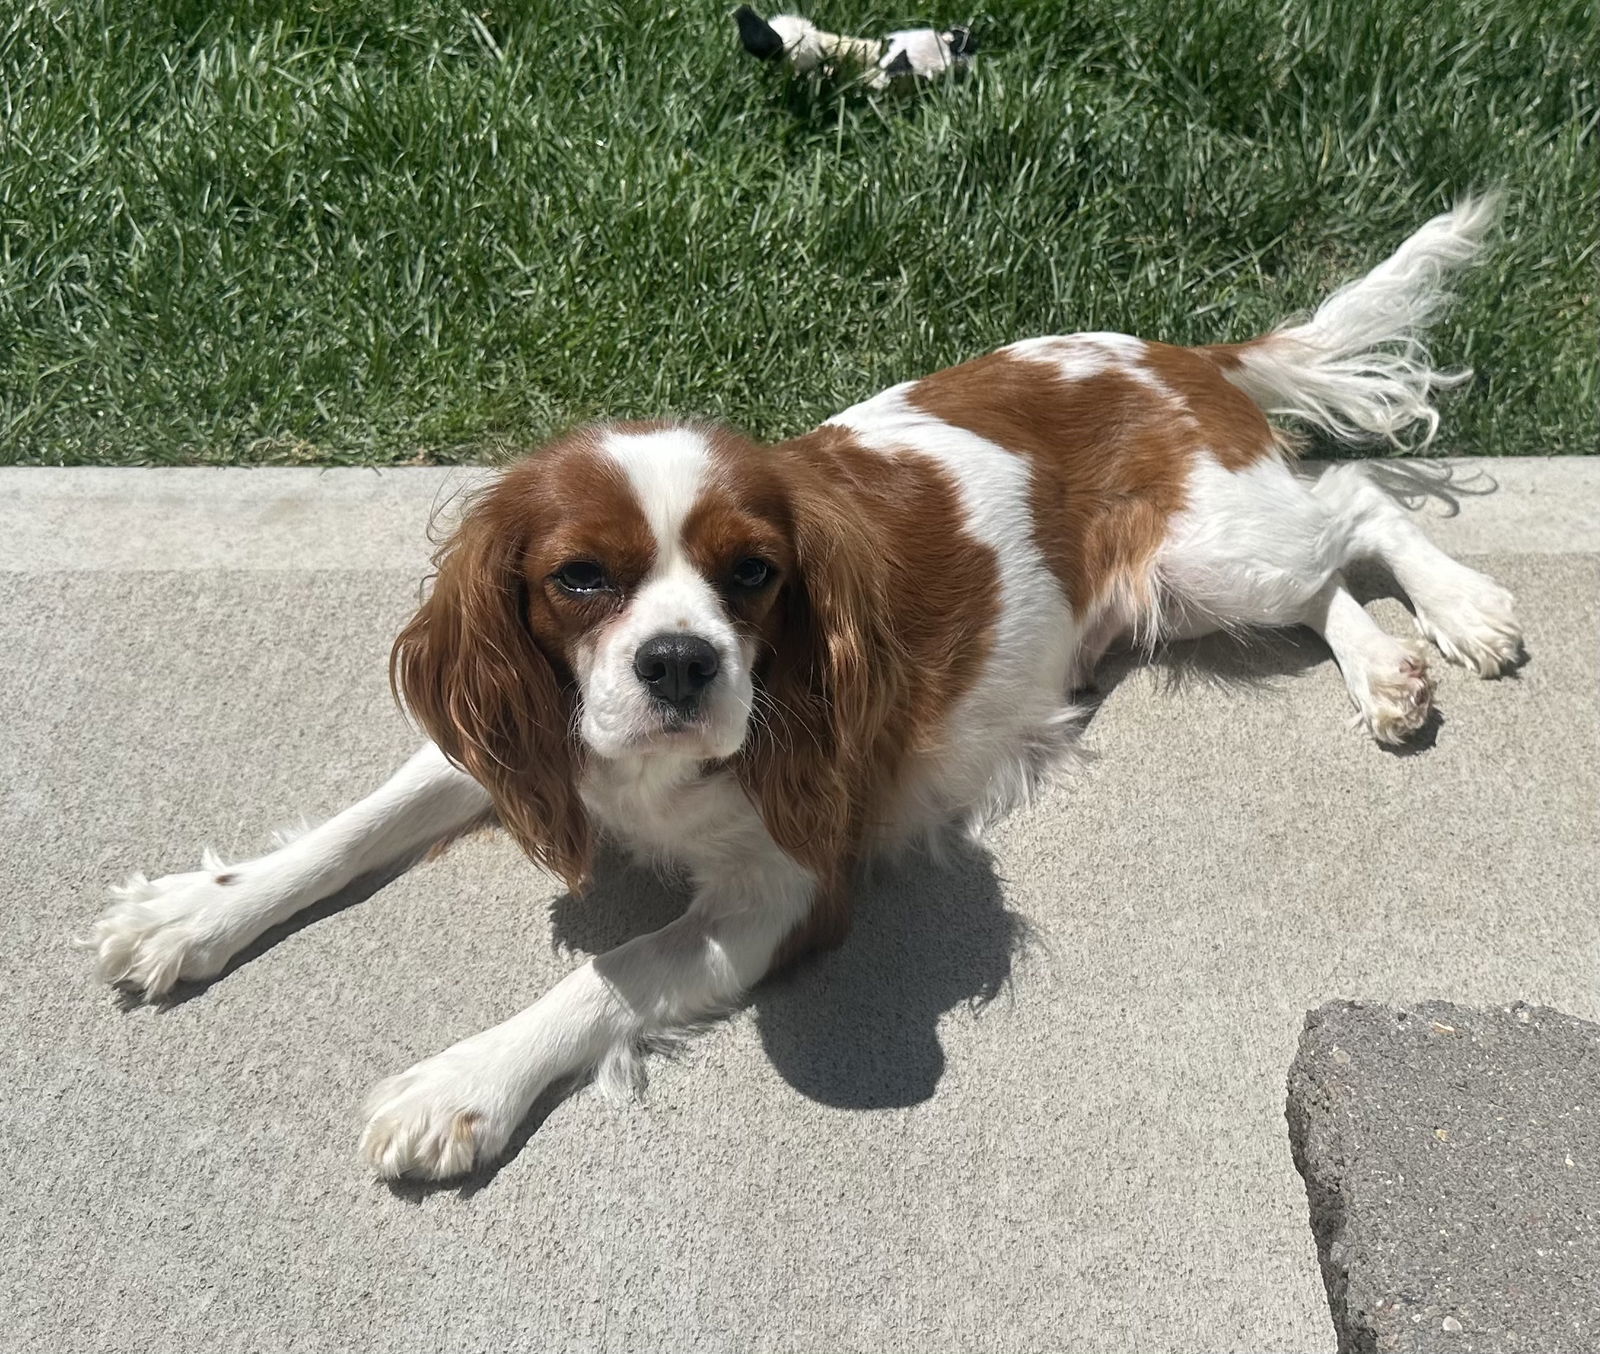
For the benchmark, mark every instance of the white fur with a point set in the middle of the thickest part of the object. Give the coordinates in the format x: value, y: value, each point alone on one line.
x: 618, y: 718
x: 807, y: 48
x: 1466, y: 614
x: 1259, y: 546
x: 1358, y: 367
x: 1077, y: 357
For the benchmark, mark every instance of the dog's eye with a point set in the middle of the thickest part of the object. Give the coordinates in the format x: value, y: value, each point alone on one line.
x: 582, y: 575
x: 751, y: 573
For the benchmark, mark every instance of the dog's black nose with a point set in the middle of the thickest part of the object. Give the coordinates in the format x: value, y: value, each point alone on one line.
x: 676, y: 668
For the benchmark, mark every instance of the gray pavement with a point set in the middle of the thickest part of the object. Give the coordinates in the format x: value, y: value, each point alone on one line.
x: 1452, y: 1161
x: 1036, y: 1102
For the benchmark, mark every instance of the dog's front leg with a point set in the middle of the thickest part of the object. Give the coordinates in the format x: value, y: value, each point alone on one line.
x: 188, y: 926
x: 458, y: 1109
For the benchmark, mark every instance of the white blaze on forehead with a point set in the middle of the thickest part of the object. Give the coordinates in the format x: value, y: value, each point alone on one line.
x: 665, y: 469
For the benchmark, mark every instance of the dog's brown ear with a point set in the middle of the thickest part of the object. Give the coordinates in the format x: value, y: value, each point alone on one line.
x: 470, y: 671
x: 827, y: 691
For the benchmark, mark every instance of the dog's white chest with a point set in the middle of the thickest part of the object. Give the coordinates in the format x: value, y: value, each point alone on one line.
x: 667, y: 810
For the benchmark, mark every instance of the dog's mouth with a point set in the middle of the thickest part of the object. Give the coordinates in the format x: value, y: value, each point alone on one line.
x: 696, y: 733
x: 669, y: 730
x: 714, y: 727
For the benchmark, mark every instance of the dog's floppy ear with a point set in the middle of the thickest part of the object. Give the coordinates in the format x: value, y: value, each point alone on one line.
x: 470, y: 671
x: 960, y: 41
x: 827, y: 691
x: 760, y: 39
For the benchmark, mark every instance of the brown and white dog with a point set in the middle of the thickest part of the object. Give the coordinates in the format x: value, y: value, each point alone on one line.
x: 764, y: 663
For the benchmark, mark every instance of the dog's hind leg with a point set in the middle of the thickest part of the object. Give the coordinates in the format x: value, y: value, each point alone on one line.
x: 1256, y: 547
x: 1465, y: 613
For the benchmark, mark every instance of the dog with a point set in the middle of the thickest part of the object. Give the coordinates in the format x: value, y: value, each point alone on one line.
x: 764, y: 664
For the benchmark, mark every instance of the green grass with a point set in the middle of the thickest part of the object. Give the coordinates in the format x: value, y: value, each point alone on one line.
x: 365, y: 231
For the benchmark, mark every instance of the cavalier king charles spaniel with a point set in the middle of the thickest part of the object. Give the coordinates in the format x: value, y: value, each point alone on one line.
x: 762, y: 664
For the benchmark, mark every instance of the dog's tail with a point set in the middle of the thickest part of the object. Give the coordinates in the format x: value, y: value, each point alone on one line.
x: 1358, y: 368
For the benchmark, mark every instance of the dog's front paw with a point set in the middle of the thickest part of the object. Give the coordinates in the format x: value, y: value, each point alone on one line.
x: 159, y: 931
x: 441, y: 1118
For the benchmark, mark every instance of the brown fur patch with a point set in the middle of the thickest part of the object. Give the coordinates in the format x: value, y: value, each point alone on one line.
x: 744, y: 511
x: 882, y: 626
x: 1110, y: 455
x: 1231, y: 424
x: 485, y: 664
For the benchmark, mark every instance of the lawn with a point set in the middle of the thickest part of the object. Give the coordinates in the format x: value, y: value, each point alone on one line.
x: 350, y: 231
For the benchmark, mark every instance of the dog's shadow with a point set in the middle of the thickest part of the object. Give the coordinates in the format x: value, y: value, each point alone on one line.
x: 855, y: 1027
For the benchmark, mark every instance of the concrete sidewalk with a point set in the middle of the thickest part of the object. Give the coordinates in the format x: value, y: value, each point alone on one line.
x: 874, y: 1155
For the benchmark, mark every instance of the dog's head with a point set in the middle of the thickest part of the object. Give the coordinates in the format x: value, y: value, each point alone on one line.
x: 642, y: 593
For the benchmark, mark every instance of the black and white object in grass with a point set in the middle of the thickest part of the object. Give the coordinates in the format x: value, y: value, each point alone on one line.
x: 913, y: 53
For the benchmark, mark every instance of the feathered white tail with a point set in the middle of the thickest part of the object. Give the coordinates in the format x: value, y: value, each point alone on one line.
x: 1358, y: 367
